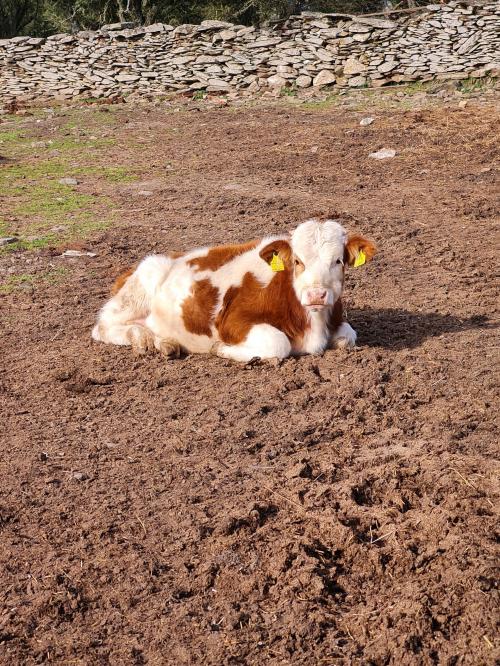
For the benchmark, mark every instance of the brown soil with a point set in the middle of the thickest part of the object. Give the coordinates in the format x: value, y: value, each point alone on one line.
x: 333, y: 510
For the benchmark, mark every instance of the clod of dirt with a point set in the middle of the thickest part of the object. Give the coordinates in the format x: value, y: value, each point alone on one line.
x: 80, y: 476
x: 301, y: 469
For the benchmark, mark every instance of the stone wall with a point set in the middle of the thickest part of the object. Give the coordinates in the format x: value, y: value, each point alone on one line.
x: 456, y: 40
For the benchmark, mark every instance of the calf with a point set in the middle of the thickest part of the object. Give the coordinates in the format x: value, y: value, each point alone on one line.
x: 268, y: 298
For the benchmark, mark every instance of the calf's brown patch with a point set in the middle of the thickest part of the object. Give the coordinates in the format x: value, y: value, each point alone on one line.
x: 121, y: 279
x: 252, y: 303
x: 280, y: 247
x: 220, y: 255
x: 198, y: 309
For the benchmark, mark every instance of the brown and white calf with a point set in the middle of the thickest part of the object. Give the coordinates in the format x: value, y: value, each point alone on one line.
x: 267, y: 298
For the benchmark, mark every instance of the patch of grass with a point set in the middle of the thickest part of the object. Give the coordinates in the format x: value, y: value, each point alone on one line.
x: 48, y: 212
x: 289, y: 91
x: 28, y: 280
x: 90, y: 119
x: 15, y: 143
x: 36, y: 171
x: 472, y: 85
x: 319, y: 105
x: 115, y: 174
x: 414, y: 87
x: 199, y: 94
x: 41, y: 211
x: 19, y: 174
x: 10, y: 136
x: 81, y: 227
x: 72, y: 143
x: 51, y: 201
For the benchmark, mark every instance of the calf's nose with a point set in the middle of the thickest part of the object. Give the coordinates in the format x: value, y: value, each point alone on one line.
x: 321, y: 294
x: 316, y: 296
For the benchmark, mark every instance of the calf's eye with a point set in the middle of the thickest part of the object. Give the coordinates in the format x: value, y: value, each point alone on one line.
x: 339, y: 261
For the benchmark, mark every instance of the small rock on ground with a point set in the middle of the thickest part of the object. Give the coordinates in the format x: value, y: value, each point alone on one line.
x: 8, y: 239
x: 77, y: 253
x: 383, y: 154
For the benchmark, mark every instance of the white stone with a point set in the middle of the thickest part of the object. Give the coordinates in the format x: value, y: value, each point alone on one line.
x: 127, y: 78
x: 303, y: 81
x: 356, y: 81
x: 383, y: 154
x: 218, y: 83
x: 276, y: 81
x: 226, y: 35
x: 387, y: 67
x: 324, y: 78
x: 359, y: 27
x: 78, y: 253
x: 353, y: 66
x: 259, y: 44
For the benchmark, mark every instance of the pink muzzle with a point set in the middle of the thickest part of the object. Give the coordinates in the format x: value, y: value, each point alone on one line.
x: 315, y: 296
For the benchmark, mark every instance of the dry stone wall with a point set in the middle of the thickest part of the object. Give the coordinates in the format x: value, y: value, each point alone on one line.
x: 455, y: 40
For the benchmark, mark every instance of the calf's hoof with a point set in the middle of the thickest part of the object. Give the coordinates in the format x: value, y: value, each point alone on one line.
x: 168, y: 347
x: 140, y: 338
x: 344, y: 337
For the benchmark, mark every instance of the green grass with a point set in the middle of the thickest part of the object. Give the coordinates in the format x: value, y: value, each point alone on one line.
x: 319, y: 105
x: 471, y: 85
x: 73, y: 143
x: 17, y: 174
x: 38, y: 209
x: 11, y: 137
x: 30, y: 280
x: 114, y: 174
x: 288, y: 91
x: 50, y: 201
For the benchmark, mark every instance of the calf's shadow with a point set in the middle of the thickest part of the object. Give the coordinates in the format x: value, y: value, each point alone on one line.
x: 401, y: 329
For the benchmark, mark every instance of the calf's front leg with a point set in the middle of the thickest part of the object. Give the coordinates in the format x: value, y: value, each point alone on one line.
x: 263, y: 341
x: 343, y: 335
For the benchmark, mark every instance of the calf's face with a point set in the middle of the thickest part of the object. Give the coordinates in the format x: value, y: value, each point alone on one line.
x: 321, y: 250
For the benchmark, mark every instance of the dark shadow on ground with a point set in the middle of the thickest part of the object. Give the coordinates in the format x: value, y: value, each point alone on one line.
x: 403, y: 329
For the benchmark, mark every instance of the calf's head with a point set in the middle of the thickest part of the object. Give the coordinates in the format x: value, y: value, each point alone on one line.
x: 320, y: 253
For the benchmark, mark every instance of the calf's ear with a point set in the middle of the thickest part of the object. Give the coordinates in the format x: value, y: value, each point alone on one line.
x: 280, y: 248
x: 358, y: 250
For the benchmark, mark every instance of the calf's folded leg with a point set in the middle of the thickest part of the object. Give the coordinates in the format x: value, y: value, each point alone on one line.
x: 122, y: 319
x: 263, y: 341
x: 344, y: 337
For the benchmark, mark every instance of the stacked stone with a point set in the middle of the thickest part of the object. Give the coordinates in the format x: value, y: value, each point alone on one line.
x: 456, y: 40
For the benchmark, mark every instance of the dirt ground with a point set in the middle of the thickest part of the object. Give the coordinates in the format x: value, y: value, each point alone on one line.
x: 326, y: 510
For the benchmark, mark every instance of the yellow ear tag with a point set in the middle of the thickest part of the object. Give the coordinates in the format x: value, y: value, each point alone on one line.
x: 277, y: 263
x: 360, y: 259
